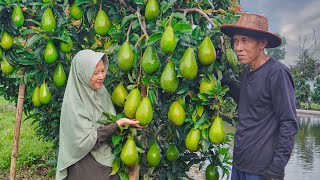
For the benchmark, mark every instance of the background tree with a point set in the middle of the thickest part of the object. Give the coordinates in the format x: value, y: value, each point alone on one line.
x: 305, y: 69
x: 43, y: 47
x: 316, y: 92
x: 280, y: 52
x: 302, y: 89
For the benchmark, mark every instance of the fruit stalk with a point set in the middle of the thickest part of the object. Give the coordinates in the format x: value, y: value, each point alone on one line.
x: 142, y: 25
x: 128, y: 32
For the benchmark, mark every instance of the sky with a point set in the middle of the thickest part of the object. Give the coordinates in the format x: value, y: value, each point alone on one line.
x: 291, y: 19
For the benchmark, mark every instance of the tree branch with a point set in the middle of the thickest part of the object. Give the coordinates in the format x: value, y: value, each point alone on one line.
x: 125, y: 5
x: 142, y: 24
x: 198, y: 11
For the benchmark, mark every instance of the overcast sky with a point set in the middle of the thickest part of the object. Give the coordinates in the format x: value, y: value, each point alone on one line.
x: 290, y: 18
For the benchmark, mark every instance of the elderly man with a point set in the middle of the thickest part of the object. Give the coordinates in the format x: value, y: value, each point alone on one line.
x: 267, y: 106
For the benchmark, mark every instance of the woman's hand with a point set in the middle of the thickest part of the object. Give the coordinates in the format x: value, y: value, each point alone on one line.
x: 130, y: 122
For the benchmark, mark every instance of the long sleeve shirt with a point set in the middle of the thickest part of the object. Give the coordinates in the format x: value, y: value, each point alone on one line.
x: 267, y: 121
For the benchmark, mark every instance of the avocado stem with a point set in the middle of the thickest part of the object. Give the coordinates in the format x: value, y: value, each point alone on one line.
x: 170, y: 19
x: 128, y: 32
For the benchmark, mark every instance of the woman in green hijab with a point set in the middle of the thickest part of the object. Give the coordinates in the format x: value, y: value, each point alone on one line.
x: 83, y: 152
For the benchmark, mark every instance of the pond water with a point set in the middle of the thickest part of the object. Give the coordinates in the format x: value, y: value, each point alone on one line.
x: 304, y: 163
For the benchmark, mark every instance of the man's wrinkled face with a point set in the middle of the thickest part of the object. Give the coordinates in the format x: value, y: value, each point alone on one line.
x: 98, y: 76
x: 247, y: 48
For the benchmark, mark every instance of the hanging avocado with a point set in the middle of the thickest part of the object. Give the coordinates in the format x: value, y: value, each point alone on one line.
x: 152, y: 10
x: 17, y: 16
x: 217, y: 131
x: 125, y: 57
x: 59, y: 77
x: 50, y: 53
x: 48, y: 21
x: 35, y: 97
x: 168, y: 41
x: 44, y: 94
x: 101, y: 23
x: 119, y: 95
x: 169, y: 81
x: 6, y: 41
x: 206, y: 52
x: 144, y: 112
x: 76, y: 11
x: 132, y: 102
x: 188, y: 65
x: 66, y: 47
x: 6, y: 67
x: 150, y: 61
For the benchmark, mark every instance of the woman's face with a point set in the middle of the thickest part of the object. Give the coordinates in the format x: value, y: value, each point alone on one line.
x: 98, y: 76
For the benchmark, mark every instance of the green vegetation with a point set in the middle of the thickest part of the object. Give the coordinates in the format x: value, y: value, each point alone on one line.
x: 33, y: 153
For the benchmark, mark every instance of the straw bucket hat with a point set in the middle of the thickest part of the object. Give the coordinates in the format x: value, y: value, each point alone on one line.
x: 252, y: 25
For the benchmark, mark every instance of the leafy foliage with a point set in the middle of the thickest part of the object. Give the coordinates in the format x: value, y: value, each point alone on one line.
x: 189, y: 20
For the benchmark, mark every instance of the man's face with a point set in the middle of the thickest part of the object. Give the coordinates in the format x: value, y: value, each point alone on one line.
x: 247, y: 48
x: 98, y: 76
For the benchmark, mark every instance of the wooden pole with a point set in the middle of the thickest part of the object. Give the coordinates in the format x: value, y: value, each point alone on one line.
x: 14, y: 154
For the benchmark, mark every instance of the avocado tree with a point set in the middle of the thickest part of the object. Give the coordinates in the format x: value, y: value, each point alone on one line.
x: 166, y: 60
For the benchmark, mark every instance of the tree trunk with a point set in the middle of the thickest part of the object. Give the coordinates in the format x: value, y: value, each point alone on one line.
x: 19, y: 110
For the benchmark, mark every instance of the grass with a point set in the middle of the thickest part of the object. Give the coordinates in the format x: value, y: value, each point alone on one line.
x: 33, y: 153
x: 314, y: 106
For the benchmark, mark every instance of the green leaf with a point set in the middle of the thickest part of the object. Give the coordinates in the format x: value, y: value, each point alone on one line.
x: 117, y: 150
x: 203, y: 96
x: 28, y: 62
x: 183, y: 27
x: 139, y: 2
x: 154, y: 38
x: 130, y: 78
x: 35, y: 38
x: 205, y: 144
x: 91, y: 13
x: 123, y: 176
x: 166, y: 5
x: 223, y: 151
x: 183, y: 90
x: 202, y: 120
x: 131, y: 86
x: 205, y: 133
x: 219, y: 75
x: 152, y: 97
x: 128, y: 18
x: 179, y: 15
x: 196, y: 32
x: 146, y: 80
x: 34, y: 21
x: 116, y: 139
x: 79, y: 2
x: 140, y: 150
x: 115, y: 166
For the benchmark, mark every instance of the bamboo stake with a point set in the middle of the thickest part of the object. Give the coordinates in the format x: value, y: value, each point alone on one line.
x: 14, y: 154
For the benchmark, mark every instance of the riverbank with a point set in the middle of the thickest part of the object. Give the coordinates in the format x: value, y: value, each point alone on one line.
x: 307, y: 112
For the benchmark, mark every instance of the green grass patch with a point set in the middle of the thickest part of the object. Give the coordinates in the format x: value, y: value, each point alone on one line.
x: 313, y: 106
x: 33, y: 152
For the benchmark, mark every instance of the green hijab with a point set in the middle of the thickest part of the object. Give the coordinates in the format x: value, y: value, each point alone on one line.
x: 81, y: 108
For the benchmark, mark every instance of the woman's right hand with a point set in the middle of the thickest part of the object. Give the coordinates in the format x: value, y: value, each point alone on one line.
x: 130, y: 122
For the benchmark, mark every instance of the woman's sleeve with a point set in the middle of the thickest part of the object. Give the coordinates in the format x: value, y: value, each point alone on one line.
x: 104, y: 133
